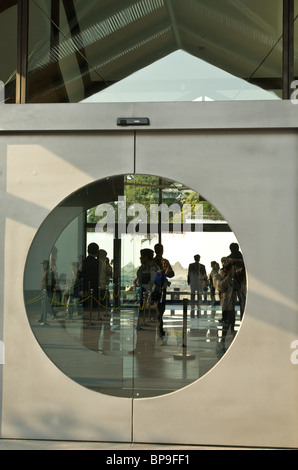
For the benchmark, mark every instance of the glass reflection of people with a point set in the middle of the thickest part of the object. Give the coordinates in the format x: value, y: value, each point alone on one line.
x: 227, y: 297
x: 138, y: 290
x: 74, y: 290
x: 46, y: 288
x: 236, y: 258
x: 212, y: 280
x: 165, y: 270
x: 109, y: 276
x: 56, y: 293
x: 105, y: 272
x: 145, y: 279
x: 146, y: 273
x: 62, y: 288
x: 159, y: 295
x: 195, y: 278
x: 90, y: 275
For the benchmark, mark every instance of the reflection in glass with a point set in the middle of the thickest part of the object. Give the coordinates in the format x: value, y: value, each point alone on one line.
x: 130, y: 286
x: 8, y: 51
x: 172, y: 51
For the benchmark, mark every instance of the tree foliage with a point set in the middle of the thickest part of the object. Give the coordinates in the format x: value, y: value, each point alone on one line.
x: 147, y: 190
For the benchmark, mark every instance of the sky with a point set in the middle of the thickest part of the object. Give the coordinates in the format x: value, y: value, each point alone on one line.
x: 180, y: 77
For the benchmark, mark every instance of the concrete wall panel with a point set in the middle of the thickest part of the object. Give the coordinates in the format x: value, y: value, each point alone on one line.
x: 243, y: 158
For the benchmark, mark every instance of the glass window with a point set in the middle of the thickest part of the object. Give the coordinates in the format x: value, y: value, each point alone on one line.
x: 295, y: 46
x: 54, y: 61
x: 132, y: 286
x: 8, y: 51
x: 153, y: 50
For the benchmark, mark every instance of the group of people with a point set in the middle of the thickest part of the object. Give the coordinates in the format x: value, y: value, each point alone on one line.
x: 153, y: 278
x: 96, y: 273
x: 229, y: 282
x: 89, y: 280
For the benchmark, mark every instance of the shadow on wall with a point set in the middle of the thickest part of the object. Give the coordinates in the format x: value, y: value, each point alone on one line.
x: 57, y: 425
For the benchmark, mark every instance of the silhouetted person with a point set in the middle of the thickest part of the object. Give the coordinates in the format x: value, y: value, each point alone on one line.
x: 235, y: 258
x: 105, y: 270
x: 47, y: 285
x: 146, y: 272
x: 165, y: 272
x: 235, y: 252
x: 227, y: 298
x: 90, y: 273
x: 158, y: 259
x: 145, y: 278
x: 159, y: 293
x: 195, y: 278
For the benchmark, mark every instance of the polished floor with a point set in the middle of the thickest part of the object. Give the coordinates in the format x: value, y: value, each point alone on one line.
x: 122, y: 353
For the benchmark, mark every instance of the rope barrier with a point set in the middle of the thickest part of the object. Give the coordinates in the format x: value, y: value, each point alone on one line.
x: 53, y: 301
x: 35, y: 299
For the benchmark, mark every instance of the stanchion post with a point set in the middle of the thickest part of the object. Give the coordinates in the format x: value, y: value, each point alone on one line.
x: 184, y: 355
x: 91, y: 306
x: 184, y: 331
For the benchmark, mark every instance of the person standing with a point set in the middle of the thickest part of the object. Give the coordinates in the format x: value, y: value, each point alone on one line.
x: 105, y: 272
x: 90, y: 274
x: 227, y: 298
x: 47, y: 286
x: 235, y: 258
x: 195, y: 278
x: 162, y: 262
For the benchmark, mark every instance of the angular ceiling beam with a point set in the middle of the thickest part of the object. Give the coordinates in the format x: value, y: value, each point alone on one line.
x: 75, y: 30
x: 129, y: 43
x: 116, y: 7
x: 54, y: 41
x: 172, y: 17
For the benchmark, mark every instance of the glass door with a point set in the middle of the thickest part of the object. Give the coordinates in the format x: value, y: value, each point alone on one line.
x: 131, y: 300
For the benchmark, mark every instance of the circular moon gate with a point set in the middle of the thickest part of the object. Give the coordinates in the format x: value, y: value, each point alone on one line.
x: 134, y: 286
